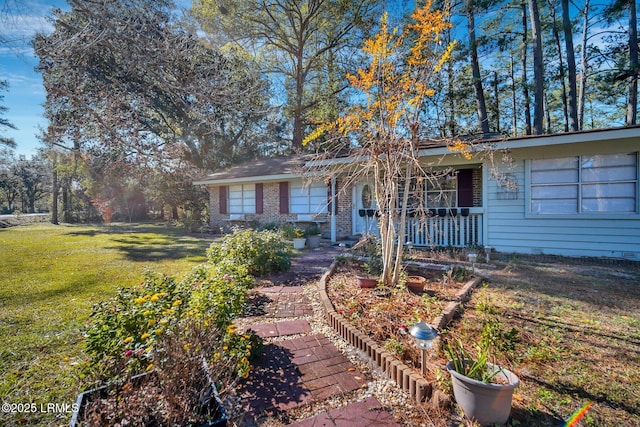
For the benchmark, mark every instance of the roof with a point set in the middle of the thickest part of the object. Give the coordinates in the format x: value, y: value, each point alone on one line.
x: 284, y: 168
x: 271, y: 168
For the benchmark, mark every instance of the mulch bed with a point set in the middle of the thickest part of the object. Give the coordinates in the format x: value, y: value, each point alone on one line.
x: 387, y: 319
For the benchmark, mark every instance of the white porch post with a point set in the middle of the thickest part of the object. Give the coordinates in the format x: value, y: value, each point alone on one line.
x: 333, y: 209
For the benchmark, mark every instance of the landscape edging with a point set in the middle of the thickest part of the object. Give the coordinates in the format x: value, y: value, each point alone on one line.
x: 404, y: 376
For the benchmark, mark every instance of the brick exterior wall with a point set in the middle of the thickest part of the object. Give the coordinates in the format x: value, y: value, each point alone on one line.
x: 271, y: 212
x: 343, y: 218
x: 476, y: 177
x: 271, y: 209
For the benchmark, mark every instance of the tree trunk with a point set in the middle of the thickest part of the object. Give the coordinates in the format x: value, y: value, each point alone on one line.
x: 298, y: 125
x: 496, y: 98
x: 538, y: 68
x: 583, y: 67
x: 571, y: 66
x: 475, y: 69
x: 54, y: 190
x: 514, y: 105
x: 66, y: 205
x: 632, y: 105
x: 525, y: 79
x: 556, y: 36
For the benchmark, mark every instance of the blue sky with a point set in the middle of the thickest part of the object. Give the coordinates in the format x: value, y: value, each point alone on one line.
x: 20, y: 20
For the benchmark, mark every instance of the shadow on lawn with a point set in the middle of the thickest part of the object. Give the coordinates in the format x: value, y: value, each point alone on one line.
x: 535, y: 417
x: 583, y: 395
x: 611, y: 286
x: 142, y: 250
x: 128, y: 228
x: 150, y: 242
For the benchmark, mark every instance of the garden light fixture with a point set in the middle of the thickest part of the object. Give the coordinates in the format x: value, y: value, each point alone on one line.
x: 472, y: 259
x: 424, y: 335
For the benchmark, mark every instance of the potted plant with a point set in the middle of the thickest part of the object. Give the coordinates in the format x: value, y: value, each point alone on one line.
x: 415, y: 284
x: 372, y: 267
x: 295, y: 234
x: 483, y: 390
x: 312, y: 233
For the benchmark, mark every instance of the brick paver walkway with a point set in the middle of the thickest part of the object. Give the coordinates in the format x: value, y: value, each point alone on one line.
x: 305, y: 367
x: 367, y: 413
x: 280, y: 302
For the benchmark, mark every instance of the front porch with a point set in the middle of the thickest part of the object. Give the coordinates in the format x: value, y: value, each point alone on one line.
x: 456, y: 227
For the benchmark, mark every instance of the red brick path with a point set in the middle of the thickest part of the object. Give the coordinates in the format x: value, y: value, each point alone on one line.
x: 305, y: 368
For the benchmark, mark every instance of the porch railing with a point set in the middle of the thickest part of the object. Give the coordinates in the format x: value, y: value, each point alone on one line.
x: 463, y: 229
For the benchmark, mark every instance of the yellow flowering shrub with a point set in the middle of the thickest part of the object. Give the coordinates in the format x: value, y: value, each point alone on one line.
x: 125, y: 332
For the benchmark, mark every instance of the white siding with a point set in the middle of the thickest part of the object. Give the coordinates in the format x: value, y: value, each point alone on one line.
x: 511, y: 228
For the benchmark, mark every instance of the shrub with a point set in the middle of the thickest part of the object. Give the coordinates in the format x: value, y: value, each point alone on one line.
x: 269, y: 226
x: 312, y: 230
x: 289, y: 231
x: 262, y: 252
x: 124, y: 332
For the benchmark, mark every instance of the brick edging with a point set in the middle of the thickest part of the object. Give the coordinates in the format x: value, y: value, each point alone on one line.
x: 404, y: 376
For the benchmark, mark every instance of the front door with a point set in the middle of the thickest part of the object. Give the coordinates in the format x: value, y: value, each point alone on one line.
x: 364, y: 209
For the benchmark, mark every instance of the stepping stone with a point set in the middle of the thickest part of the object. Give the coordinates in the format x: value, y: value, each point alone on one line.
x: 360, y: 414
x: 281, y: 329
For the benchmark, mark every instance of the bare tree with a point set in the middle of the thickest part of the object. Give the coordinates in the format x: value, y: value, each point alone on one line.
x: 475, y: 68
x: 538, y: 67
x: 571, y: 66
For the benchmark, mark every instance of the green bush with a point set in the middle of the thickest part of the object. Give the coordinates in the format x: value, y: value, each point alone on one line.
x: 289, y: 231
x: 262, y: 252
x: 125, y: 332
x: 122, y: 331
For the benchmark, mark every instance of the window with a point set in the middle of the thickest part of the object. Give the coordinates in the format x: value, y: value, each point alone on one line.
x: 584, y: 184
x: 308, y: 199
x: 442, y: 192
x: 242, y: 199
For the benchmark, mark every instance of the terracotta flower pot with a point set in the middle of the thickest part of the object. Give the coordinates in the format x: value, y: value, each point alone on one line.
x: 367, y: 282
x: 416, y: 283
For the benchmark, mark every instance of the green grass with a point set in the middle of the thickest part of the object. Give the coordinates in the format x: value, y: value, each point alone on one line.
x: 50, y: 276
x: 579, y: 339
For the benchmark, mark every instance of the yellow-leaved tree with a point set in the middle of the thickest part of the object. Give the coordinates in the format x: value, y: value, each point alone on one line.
x: 383, y: 130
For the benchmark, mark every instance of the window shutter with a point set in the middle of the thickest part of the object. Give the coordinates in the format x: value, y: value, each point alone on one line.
x: 222, y: 192
x: 284, y: 197
x: 465, y: 188
x: 259, y: 198
x: 332, y: 198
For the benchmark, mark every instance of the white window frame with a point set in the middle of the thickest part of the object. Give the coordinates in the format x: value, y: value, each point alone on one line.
x: 241, y: 199
x: 439, y: 192
x: 309, y: 199
x: 580, y: 184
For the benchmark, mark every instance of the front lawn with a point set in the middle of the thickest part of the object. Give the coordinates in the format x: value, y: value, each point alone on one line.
x: 50, y: 276
x: 578, y: 338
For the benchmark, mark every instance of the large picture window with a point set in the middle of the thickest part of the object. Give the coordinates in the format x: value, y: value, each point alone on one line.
x: 242, y: 199
x: 584, y: 184
x: 308, y: 199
